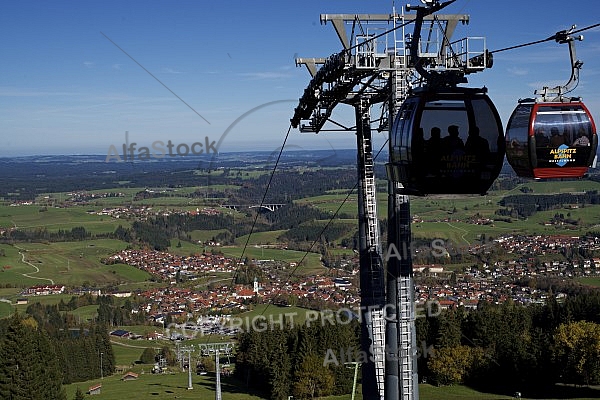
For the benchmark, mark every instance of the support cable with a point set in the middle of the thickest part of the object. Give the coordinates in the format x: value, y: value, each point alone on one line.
x: 553, y: 37
x: 235, y: 275
x: 350, y: 192
x: 262, y: 201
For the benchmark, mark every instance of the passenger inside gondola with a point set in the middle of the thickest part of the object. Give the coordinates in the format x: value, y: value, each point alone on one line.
x: 452, y: 142
x: 477, y: 145
x: 556, y: 138
x: 582, y: 138
x: 433, y: 149
x: 418, y: 151
x: 541, y: 140
x: 477, y: 149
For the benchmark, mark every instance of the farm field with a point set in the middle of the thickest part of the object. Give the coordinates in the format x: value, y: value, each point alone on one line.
x: 162, y: 386
x: 312, y: 262
x: 174, y: 385
x: 69, y: 263
x: 54, y: 219
x: 268, y: 237
x: 457, y: 209
x: 205, y: 235
x: 589, y: 280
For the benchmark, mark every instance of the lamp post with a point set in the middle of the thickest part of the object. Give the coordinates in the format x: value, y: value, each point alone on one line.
x: 101, y: 370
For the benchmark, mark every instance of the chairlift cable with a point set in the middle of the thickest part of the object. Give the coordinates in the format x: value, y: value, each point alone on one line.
x: 262, y: 201
x: 235, y: 274
x: 350, y: 192
x: 553, y: 37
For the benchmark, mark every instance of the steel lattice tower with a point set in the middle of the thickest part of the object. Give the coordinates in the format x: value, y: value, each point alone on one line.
x: 377, y: 67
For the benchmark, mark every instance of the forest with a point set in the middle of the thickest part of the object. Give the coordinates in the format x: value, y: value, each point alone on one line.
x: 37, y: 357
x: 497, y: 348
x: 527, y: 204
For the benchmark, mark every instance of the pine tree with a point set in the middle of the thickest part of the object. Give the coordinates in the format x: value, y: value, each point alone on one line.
x: 79, y: 394
x: 28, y: 365
x: 148, y: 356
x: 103, y: 346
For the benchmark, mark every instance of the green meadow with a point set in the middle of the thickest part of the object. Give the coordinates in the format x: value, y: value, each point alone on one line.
x: 172, y: 385
x: 268, y: 237
x: 68, y: 263
x: 6, y: 309
x: 311, y: 261
x: 589, y: 280
x: 445, y: 216
x: 14, y: 272
x: 54, y: 219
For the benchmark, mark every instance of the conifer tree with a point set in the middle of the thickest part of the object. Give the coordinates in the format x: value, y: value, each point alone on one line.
x: 148, y: 356
x: 79, y: 394
x: 28, y: 366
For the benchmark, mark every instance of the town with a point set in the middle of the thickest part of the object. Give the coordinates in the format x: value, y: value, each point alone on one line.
x: 495, y: 282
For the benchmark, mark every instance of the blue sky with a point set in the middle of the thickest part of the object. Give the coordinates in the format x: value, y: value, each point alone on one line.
x: 66, y: 89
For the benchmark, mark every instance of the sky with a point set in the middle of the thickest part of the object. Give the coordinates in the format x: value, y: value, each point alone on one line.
x: 76, y: 76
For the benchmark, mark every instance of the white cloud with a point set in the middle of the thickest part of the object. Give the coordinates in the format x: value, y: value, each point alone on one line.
x: 170, y: 71
x: 265, y: 75
x: 517, y: 71
x: 17, y: 92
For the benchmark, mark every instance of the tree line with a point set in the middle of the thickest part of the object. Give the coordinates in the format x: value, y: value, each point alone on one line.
x: 527, y: 204
x: 290, y: 361
x: 35, y: 363
x: 500, y: 347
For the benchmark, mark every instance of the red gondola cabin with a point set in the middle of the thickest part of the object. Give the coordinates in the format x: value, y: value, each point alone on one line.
x: 551, y: 139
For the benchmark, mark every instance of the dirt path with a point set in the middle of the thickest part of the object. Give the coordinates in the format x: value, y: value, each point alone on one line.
x: 37, y: 270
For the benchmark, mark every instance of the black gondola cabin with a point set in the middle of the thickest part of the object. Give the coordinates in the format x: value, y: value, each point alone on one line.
x: 446, y: 142
x: 551, y: 139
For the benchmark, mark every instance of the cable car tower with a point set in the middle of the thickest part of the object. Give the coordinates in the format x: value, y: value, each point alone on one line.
x: 377, y: 66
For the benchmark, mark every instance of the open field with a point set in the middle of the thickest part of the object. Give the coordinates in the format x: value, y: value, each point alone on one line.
x: 69, y: 263
x: 12, y: 269
x: 128, y: 354
x: 589, y: 280
x: 53, y: 219
x: 269, y: 237
x: 174, y: 385
x: 558, y: 186
x: 342, y: 203
x: 6, y: 309
x: 184, y: 248
x: 429, y: 392
x: 312, y: 261
x: 162, y: 386
x: 454, y: 207
x: 85, y: 313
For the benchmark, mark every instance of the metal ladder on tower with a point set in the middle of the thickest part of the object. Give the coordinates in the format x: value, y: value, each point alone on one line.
x: 376, y: 325
x: 408, y: 379
x: 406, y: 339
x: 401, y: 70
x: 370, y: 202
